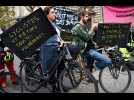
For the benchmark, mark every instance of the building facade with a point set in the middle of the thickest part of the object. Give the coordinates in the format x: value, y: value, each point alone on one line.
x: 22, y: 11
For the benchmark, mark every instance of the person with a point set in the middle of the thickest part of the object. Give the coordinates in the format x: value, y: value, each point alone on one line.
x: 6, y: 58
x: 49, y: 49
x: 83, y: 37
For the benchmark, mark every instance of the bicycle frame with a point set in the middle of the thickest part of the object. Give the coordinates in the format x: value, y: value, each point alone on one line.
x: 64, y: 55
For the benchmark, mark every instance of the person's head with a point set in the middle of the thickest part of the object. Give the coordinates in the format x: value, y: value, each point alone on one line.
x: 49, y: 11
x: 84, y: 16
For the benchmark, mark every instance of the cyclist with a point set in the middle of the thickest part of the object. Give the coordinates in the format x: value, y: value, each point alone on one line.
x: 84, y: 39
x: 49, y: 49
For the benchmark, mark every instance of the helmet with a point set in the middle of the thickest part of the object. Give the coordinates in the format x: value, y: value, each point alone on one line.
x: 8, y: 57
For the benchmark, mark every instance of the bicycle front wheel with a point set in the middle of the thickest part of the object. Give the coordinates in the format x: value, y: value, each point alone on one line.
x: 30, y: 76
x: 115, y: 80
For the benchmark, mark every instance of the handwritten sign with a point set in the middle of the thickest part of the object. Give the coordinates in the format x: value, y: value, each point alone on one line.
x: 28, y: 34
x: 113, y: 34
x: 66, y: 19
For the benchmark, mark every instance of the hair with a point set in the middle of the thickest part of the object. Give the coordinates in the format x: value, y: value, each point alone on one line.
x: 47, y: 9
x: 82, y: 14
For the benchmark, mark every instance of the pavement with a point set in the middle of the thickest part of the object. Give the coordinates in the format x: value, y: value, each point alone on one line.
x: 83, y: 87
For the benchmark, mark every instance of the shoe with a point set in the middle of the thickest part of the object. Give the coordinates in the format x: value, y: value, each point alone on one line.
x: 4, y: 85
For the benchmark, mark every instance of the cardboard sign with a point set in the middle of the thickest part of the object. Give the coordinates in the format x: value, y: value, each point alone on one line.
x: 113, y: 34
x: 27, y: 35
x: 66, y: 19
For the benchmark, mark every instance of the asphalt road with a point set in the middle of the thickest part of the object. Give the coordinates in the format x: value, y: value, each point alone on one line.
x: 83, y: 88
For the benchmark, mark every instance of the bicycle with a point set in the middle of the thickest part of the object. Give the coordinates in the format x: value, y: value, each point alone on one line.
x: 87, y: 77
x: 118, y: 72
x: 35, y: 79
x: 116, y: 69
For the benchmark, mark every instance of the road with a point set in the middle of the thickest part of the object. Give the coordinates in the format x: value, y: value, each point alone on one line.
x: 83, y: 88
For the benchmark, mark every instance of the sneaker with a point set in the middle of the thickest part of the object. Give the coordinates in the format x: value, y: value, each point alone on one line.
x: 4, y: 85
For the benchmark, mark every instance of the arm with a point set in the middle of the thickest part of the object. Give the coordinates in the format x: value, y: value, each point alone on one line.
x: 82, y: 34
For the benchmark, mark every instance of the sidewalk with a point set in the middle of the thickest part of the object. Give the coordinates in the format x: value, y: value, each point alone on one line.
x: 83, y: 87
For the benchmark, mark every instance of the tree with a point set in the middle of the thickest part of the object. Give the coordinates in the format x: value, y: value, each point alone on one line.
x: 7, y: 15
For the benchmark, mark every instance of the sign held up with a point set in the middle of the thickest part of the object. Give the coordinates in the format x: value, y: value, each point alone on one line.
x: 113, y: 34
x: 66, y: 18
x: 27, y: 35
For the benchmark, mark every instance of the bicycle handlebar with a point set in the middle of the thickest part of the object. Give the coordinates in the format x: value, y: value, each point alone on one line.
x: 113, y: 48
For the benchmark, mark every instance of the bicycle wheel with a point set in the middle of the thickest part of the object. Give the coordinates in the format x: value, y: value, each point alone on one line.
x: 70, y: 78
x: 89, y: 83
x: 30, y: 76
x: 115, y: 80
x: 10, y: 88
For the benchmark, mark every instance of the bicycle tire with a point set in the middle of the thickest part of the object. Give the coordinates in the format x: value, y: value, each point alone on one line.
x: 91, y: 79
x: 69, y: 72
x: 119, y: 91
x: 87, y: 73
x: 24, y: 83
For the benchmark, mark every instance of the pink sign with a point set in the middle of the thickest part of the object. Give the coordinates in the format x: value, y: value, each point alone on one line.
x: 118, y: 14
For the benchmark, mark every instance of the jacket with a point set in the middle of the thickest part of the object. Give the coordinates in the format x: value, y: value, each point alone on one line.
x: 82, y: 36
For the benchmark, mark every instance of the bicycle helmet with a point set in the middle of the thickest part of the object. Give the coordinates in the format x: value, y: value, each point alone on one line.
x: 8, y: 57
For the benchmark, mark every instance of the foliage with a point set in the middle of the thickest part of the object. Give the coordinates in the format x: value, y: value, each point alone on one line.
x: 7, y: 15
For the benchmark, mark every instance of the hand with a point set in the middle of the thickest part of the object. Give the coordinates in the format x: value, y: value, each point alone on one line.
x: 61, y: 43
x: 95, y: 45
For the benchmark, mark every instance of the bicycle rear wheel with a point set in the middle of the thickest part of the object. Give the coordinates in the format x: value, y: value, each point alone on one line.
x: 115, y: 80
x: 89, y: 83
x: 70, y: 78
x: 10, y: 88
x: 30, y: 77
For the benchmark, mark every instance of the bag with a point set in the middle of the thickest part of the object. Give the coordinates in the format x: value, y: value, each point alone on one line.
x: 74, y: 50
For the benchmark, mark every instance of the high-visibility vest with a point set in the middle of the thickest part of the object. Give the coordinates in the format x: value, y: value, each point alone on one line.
x: 125, y: 53
x: 131, y: 43
x: 8, y: 57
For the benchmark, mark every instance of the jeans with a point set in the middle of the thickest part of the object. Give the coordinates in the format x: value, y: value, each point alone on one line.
x: 103, y: 60
x: 49, y: 54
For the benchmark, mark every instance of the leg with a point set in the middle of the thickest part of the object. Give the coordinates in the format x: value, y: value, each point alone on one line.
x: 11, y: 70
x: 89, y: 61
x: 2, y: 79
x: 103, y: 60
x: 48, y: 55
